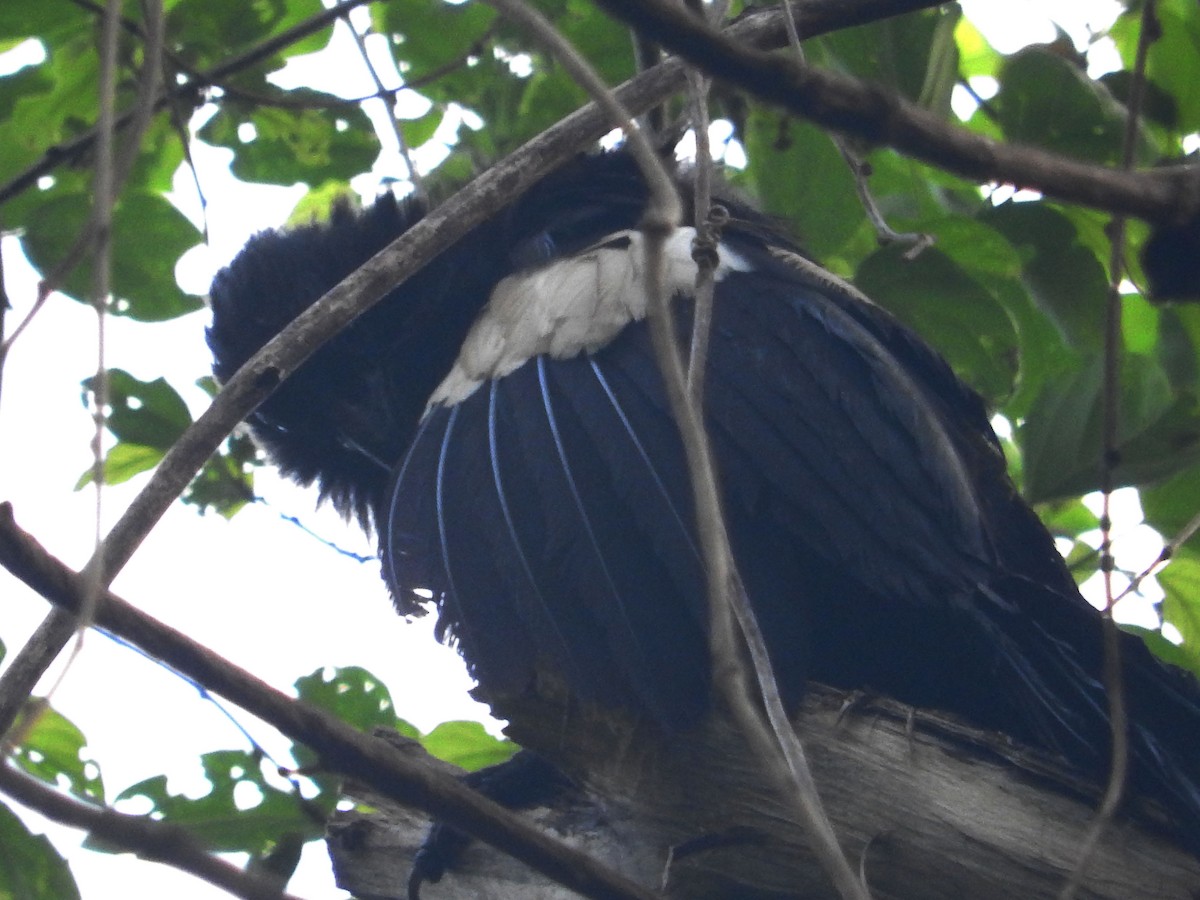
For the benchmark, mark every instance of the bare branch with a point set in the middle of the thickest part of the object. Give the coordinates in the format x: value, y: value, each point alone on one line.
x: 5, y: 306
x: 418, y: 181
x: 140, y: 835
x: 405, y: 776
x: 358, y: 292
x: 704, y: 249
x: 877, y: 114
x: 1113, y: 683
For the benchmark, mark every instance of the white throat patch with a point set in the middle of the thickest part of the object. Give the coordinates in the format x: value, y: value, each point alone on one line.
x: 569, y: 306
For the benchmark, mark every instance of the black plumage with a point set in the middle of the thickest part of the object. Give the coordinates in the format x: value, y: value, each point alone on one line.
x: 544, y: 506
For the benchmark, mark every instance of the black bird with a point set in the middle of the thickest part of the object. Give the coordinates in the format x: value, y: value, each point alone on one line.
x: 501, y: 422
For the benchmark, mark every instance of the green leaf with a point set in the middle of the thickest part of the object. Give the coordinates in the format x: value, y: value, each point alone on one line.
x: 1068, y: 518
x: 1180, y: 580
x: 149, y: 236
x: 284, y: 145
x: 146, y: 417
x: 52, y: 750
x: 241, y: 812
x: 1158, y: 431
x: 417, y: 131
x: 975, y: 55
x: 467, y: 745
x: 950, y: 309
x: 1170, y: 505
x: 226, y: 483
x: 23, y: 134
x: 1048, y: 101
x: 1184, y: 657
x: 123, y: 462
x: 33, y: 19
x: 550, y: 95
x: 896, y: 51
x: 603, y: 40
x: 1062, y: 270
x: 159, y: 159
x: 207, y: 32
x: 1139, y: 324
x: 1043, y: 353
x: 1178, y: 331
x: 1158, y: 106
x: 429, y: 35
x: 355, y: 696
x: 32, y: 869
x: 48, y: 104
x: 1173, y: 66
x: 798, y: 172
x: 150, y: 413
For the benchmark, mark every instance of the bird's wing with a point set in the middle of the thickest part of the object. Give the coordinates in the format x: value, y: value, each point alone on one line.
x: 549, y: 510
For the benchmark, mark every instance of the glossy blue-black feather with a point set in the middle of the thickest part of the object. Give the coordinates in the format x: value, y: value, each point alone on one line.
x: 547, y: 515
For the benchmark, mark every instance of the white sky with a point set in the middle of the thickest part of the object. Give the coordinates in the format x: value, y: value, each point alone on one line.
x: 257, y: 590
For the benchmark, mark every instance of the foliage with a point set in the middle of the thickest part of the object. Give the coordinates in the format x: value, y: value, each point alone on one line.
x: 1012, y: 293
x: 263, y: 807
x: 33, y: 869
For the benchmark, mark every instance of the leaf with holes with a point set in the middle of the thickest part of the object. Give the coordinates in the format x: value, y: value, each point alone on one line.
x: 52, y: 749
x: 241, y: 811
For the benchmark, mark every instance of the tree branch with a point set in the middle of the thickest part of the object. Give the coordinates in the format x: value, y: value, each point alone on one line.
x: 140, y: 835
x: 405, y: 776
x: 877, y: 114
x: 764, y: 28
x: 930, y: 808
x: 451, y: 221
x: 71, y: 150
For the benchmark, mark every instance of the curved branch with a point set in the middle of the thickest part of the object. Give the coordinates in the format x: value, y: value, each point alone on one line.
x: 879, y: 115
x: 405, y: 776
x: 155, y: 841
x: 451, y: 221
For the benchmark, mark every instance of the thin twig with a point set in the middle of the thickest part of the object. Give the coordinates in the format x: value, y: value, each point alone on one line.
x: 726, y: 598
x: 704, y: 249
x: 70, y: 151
x: 859, y: 170
x: 5, y: 306
x: 124, y: 160
x: 1118, y: 716
x: 418, y: 181
x: 147, y: 839
x: 104, y: 198
x: 1165, y: 555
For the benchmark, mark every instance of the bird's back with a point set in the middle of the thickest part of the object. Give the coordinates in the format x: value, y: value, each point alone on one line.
x: 538, y: 495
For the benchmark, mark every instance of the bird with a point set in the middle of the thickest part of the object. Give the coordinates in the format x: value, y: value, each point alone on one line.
x: 500, y: 422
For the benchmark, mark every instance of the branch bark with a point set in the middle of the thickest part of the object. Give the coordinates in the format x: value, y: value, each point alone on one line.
x: 404, y: 776
x: 878, y: 115
x: 360, y: 291
x: 929, y: 809
x: 146, y: 838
